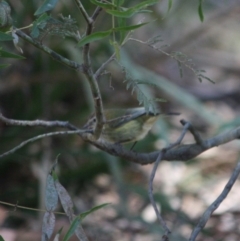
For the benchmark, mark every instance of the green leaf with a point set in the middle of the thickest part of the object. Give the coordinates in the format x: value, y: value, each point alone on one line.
x: 1, y: 238
x: 5, y: 37
x: 103, y: 5
x: 39, y: 23
x: 5, y: 54
x: 46, y: 6
x: 101, y: 35
x: 200, y: 11
x: 133, y: 10
x: 72, y: 229
x: 84, y: 214
x: 129, y: 28
x: 94, y: 37
x: 169, y: 5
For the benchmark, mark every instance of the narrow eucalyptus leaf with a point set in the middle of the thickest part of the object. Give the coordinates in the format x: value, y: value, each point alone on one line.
x: 72, y: 229
x: 46, y: 6
x: 51, y: 195
x: 103, y: 5
x: 5, y: 54
x: 1, y: 238
x: 48, y: 225
x: 200, y: 11
x: 5, y: 37
x: 94, y: 37
x: 94, y: 209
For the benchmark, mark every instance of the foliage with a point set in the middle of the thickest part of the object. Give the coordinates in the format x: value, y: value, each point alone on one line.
x: 48, y: 92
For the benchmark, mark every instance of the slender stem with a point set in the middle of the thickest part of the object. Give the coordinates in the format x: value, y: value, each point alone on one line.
x: 24, y: 143
x: 102, y: 67
x: 152, y: 176
x: 53, y: 54
x: 27, y: 208
x: 83, y: 11
x: 96, y: 13
x: 205, y: 217
x: 55, y: 123
x: 98, y: 105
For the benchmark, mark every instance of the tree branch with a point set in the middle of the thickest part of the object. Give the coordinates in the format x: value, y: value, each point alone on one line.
x: 205, y: 217
x: 56, y: 123
x: 83, y: 11
x: 179, y: 153
x: 152, y: 176
x: 53, y: 54
x: 98, y: 105
x: 102, y: 67
x: 24, y: 143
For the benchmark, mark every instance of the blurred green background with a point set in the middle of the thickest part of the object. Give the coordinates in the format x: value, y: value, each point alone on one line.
x: 40, y: 88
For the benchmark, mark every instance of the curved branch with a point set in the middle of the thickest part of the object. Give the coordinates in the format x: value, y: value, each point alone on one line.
x: 53, y: 54
x: 24, y: 143
x: 56, y: 123
x: 83, y: 11
x: 205, y: 217
x: 179, y: 153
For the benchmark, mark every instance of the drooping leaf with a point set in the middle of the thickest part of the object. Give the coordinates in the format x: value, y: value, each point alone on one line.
x: 65, y: 199
x: 5, y: 37
x: 57, y: 236
x: 51, y: 195
x: 94, y: 37
x: 200, y: 11
x: 46, y: 6
x: 48, y: 225
x: 169, y: 5
x: 38, y: 24
x: 103, y: 5
x: 129, y: 28
x: 5, y: 54
x: 72, y: 229
x: 133, y: 10
x: 85, y: 214
x: 1, y: 238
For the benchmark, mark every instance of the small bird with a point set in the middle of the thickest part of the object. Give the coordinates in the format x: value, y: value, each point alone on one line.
x: 125, y: 125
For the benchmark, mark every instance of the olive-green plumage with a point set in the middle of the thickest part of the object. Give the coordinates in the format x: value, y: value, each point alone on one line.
x: 125, y: 125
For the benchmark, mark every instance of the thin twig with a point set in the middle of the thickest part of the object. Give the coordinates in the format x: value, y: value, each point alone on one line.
x: 150, y: 193
x: 181, y: 59
x: 24, y: 143
x: 102, y: 67
x: 179, y: 153
x: 96, y: 13
x: 55, y: 123
x: 84, y: 12
x: 152, y: 176
x: 27, y: 208
x: 98, y: 105
x: 194, y: 132
x: 53, y: 54
x: 205, y: 217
